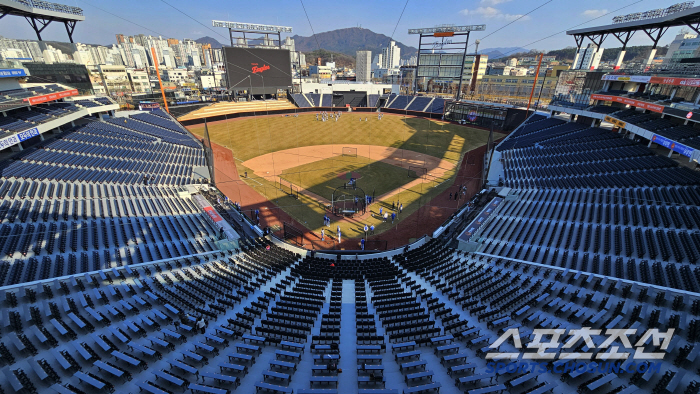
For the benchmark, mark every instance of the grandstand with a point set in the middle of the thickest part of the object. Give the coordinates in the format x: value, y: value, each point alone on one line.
x: 396, y: 102
x: 434, y: 105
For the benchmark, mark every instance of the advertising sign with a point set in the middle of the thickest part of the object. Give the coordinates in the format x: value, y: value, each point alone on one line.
x: 12, y: 72
x: 627, y: 78
x: 629, y: 101
x: 694, y: 82
x: 51, y: 96
x: 148, y: 106
x: 27, y: 134
x: 616, y: 122
x: 673, y: 145
x: 9, y: 141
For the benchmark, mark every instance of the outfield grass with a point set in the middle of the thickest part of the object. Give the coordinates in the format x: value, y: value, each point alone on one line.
x: 322, y: 178
x: 256, y: 136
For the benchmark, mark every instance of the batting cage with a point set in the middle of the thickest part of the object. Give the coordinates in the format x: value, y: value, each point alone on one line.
x: 348, y: 200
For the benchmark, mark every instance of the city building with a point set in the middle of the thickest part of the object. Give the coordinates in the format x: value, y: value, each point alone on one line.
x: 363, y: 66
x: 177, y: 76
x: 687, y: 48
x: 211, y: 79
x: 115, y: 79
x: 320, y: 72
x: 139, y: 80
x: 675, y: 45
x: 391, y: 56
x: 588, y: 58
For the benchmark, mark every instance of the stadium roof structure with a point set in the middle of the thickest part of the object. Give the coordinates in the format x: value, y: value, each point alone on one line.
x: 652, y: 27
x: 40, y: 14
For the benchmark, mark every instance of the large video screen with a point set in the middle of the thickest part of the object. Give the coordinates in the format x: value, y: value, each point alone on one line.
x: 268, y: 69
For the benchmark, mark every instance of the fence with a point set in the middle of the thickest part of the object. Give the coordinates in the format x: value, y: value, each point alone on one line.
x: 287, y: 187
x: 376, y: 244
x: 293, y: 234
x: 347, y: 151
x: 417, y: 172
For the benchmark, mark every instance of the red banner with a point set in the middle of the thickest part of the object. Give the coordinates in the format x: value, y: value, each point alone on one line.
x: 695, y: 82
x: 629, y: 101
x: 51, y: 97
x: 213, y: 214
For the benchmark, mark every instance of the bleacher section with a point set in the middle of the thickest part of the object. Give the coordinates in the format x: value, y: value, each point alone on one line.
x: 419, y: 104
x: 314, y: 99
x: 327, y: 100
x: 28, y: 117
x: 668, y: 127
x: 437, y: 106
x: 10, y: 124
x: 400, y: 102
x: 159, y: 121
x: 165, y: 135
x: 685, y: 134
x: 25, y: 93
x: 416, y: 103
x: 94, y: 102
x: 590, y: 200
x: 413, y: 321
x: 103, y: 194
x: 301, y: 100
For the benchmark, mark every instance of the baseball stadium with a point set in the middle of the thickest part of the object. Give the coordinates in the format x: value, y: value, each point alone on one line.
x: 386, y: 168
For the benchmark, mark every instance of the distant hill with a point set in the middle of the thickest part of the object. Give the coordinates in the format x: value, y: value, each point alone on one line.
x: 350, y: 40
x: 497, y: 53
x: 209, y: 40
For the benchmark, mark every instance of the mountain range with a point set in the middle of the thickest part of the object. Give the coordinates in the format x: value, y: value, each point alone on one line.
x: 500, y: 52
x: 209, y: 40
x: 350, y: 40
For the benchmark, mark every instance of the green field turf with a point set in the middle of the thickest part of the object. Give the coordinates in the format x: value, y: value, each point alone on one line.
x: 322, y: 177
x: 255, y: 136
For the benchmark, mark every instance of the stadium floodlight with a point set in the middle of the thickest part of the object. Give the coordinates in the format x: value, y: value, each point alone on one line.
x: 252, y: 27
x: 447, y: 29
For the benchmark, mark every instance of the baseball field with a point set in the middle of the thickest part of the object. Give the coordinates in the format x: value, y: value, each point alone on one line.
x: 296, y: 161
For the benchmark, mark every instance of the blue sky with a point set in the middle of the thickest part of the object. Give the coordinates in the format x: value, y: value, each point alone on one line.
x: 380, y: 16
